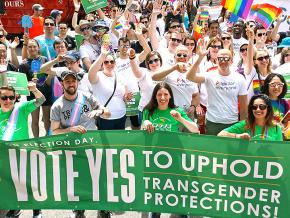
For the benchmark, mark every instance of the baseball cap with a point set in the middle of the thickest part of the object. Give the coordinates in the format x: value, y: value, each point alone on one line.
x: 55, y: 12
x: 72, y: 55
x: 100, y: 24
x: 68, y: 73
x: 37, y: 7
x: 285, y: 43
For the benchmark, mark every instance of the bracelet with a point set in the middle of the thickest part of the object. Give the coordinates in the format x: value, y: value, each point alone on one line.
x: 131, y: 58
x: 24, y: 44
x: 76, y: 12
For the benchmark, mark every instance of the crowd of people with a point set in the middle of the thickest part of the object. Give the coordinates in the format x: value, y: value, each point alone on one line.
x: 156, y: 63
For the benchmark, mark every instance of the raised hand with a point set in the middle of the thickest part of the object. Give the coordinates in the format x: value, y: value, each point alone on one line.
x: 201, y: 48
x: 157, y: 7
x: 138, y: 30
x: 77, y: 5
x: 105, y: 49
x: 31, y: 86
x: 131, y: 52
x: 119, y: 13
x: 15, y: 43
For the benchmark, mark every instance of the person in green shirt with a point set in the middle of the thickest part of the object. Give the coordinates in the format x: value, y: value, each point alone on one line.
x: 162, y: 114
x: 260, y: 123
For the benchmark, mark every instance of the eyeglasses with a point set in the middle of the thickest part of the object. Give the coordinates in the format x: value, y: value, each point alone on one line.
x: 125, y: 46
x: 176, y: 40
x: 175, y: 26
x: 107, y: 62
x: 261, y: 106
x: 216, y: 46
x: 261, y: 34
x: 262, y: 58
x: 226, y: 38
x: 5, y: 97
x: 274, y: 85
x: 85, y: 28
x: 153, y: 61
x: 49, y: 24
x: 224, y: 59
x: 243, y: 49
x: 181, y: 55
x: 189, y: 44
x: 92, y: 20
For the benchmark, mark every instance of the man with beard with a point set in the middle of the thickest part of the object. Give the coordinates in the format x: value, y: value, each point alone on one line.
x: 74, y: 112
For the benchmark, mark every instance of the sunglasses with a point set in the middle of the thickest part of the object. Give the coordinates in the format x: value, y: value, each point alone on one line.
x: 1, y: 36
x: 224, y: 59
x: 189, y: 44
x: 274, y: 85
x: 261, y: 106
x: 175, y: 26
x: 49, y: 24
x: 216, y: 46
x: 261, y: 34
x: 5, y: 97
x: 176, y: 40
x: 262, y: 58
x: 243, y: 49
x: 144, y: 22
x: 85, y: 28
x: 91, y: 20
x: 286, y: 55
x: 153, y: 61
x: 181, y: 55
x: 226, y: 38
x: 114, y: 10
x: 107, y: 62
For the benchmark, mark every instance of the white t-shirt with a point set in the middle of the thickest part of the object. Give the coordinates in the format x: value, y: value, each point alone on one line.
x: 103, y: 90
x: 223, y: 92
x: 182, y: 89
x: 254, y: 83
x: 167, y: 57
x: 124, y: 69
x: 91, y: 51
x: 237, y: 44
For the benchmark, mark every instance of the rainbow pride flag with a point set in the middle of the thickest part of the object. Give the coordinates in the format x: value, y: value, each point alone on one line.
x: 264, y: 14
x: 238, y: 8
x: 204, y: 15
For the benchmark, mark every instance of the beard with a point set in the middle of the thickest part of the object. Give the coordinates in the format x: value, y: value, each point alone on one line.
x: 70, y: 90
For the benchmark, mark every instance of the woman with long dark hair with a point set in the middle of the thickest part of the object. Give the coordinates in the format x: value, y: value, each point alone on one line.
x: 162, y: 114
x: 260, y: 123
x: 275, y: 87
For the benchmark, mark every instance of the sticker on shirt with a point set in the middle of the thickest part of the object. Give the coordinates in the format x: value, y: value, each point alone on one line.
x: 132, y: 105
x: 162, y: 124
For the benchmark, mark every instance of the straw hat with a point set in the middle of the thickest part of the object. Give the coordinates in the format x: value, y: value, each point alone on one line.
x: 82, y: 23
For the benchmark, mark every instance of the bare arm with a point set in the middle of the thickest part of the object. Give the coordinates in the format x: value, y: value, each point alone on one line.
x: 77, y: 6
x: 48, y: 66
x: 135, y: 68
x: 274, y: 35
x: 160, y: 75
x: 87, y: 62
x: 113, y: 26
x: 13, y: 47
x: 24, y: 48
x: 250, y: 53
x: 143, y: 43
x: 101, y: 14
x: 243, y: 99
x: 152, y: 26
x: 191, y: 74
x: 190, y: 125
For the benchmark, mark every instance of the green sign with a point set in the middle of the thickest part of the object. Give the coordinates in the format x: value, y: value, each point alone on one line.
x: 18, y: 81
x: 134, y: 170
x: 79, y: 39
x: 92, y: 5
x: 132, y: 105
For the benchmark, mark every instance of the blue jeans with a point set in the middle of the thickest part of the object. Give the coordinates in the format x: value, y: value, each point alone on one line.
x: 115, y: 124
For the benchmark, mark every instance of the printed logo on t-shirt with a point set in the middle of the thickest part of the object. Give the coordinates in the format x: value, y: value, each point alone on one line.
x: 66, y: 114
x: 225, y: 86
x: 162, y: 124
x: 181, y: 82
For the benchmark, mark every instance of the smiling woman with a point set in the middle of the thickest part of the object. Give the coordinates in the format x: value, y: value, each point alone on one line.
x: 259, y: 124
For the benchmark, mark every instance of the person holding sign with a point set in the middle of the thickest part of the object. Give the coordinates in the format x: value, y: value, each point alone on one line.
x: 260, y: 123
x: 14, y: 120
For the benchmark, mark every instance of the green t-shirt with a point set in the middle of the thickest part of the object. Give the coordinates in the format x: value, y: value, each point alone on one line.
x: 163, y: 121
x: 271, y: 134
x: 21, y: 129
